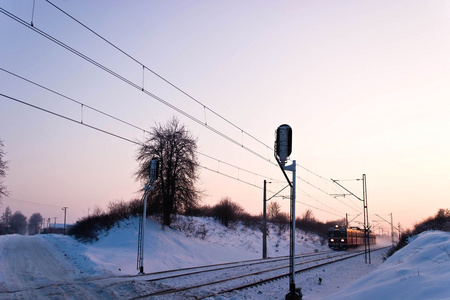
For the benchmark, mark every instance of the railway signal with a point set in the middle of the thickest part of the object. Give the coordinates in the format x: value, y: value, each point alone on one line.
x: 283, y: 148
x: 153, y: 175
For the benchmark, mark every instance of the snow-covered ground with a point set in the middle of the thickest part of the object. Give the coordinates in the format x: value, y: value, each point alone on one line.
x: 198, y: 241
x: 419, y: 271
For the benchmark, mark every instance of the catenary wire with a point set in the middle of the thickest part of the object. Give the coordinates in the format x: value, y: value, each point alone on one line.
x: 140, y: 128
x: 147, y: 92
x: 175, y: 86
x: 134, y: 142
x: 150, y: 94
x: 129, y: 82
x: 124, y: 122
x: 156, y: 74
x: 127, y: 139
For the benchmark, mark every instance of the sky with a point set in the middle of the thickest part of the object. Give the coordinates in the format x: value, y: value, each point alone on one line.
x: 363, y: 85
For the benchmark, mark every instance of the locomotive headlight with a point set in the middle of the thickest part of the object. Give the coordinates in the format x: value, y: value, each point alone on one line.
x: 332, y: 240
x: 342, y: 240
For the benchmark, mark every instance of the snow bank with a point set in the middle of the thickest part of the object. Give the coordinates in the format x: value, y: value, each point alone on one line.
x: 199, y: 241
x: 420, y: 270
x: 77, y: 253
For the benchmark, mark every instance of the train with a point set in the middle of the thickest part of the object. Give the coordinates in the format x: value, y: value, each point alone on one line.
x: 342, y: 238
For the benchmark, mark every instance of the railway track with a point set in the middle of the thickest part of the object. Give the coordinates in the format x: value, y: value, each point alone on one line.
x: 195, y: 282
x: 106, y: 282
x: 209, y: 282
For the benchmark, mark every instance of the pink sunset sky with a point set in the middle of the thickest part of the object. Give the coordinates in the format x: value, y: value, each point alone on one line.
x: 363, y: 84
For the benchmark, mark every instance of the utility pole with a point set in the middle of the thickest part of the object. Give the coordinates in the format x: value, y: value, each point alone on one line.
x: 54, y: 223
x: 366, y: 215
x: 366, y: 220
x: 348, y: 222
x: 65, y: 212
x: 265, y: 200
x: 392, y: 229
x: 264, y: 249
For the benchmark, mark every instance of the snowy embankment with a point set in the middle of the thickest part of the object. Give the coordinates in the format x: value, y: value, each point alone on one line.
x: 421, y: 270
x: 198, y: 241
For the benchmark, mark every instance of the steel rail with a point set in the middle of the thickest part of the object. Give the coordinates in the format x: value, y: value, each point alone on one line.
x: 174, y: 290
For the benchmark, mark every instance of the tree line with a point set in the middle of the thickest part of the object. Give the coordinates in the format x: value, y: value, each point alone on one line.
x: 226, y: 211
x: 17, y: 223
x: 175, y: 191
x: 440, y: 221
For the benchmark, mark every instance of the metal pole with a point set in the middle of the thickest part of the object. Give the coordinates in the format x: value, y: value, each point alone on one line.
x: 392, y: 229
x: 293, y: 292
x: 366, y: 220
x: 264, y: 250
x: 292, y: 265
x: 65, y: 211
x: 144, y: 215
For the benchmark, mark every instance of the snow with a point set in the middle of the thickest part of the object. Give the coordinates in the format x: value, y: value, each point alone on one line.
x: 421, y: 270
x: 166, y: 248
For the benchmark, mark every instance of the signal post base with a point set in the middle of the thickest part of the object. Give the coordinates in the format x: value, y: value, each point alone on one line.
x: 294, y: 294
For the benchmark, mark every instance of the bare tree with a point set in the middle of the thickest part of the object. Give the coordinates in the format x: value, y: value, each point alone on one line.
x: 178, y: 172
x: 308, y: 216
x: 34, y: 223
x: 3, y: 168
x: 18, y: 223
x: 274, y: 210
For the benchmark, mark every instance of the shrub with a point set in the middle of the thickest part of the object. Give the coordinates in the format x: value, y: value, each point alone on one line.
x: 438, y: 222
x: 88, y: 228
x: 401, y: 243
x: 118, y: 210
x: 200, y: 211
x: 135, y: 207
x: 227, y: 211
x: 251, y: 221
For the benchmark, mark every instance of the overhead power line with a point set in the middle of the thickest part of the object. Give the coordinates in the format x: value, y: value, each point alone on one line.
x: 69, y: 119
x: 138, y: 143
x: 30, y: 202
x: 143, y: 66
x: 83, y: 105
x: 129, y: 82
x: 156, y: 74
x: 81, y: 121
